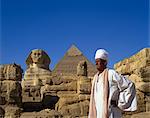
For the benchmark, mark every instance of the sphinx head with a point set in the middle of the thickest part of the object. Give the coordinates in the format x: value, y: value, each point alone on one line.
x: 38, y: 57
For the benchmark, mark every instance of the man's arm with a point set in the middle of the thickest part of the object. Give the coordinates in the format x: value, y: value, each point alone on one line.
x: 127, y: 97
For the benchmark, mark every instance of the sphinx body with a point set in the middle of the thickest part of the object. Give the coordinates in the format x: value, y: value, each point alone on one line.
x: 37, y: 68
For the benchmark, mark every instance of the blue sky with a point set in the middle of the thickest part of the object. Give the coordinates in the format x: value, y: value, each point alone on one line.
x: 119, y: 26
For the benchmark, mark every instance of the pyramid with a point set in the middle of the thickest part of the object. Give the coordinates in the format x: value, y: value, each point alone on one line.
x: 68, y: 64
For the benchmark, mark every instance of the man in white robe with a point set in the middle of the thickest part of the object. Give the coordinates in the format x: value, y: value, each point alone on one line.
x: 111, y: 93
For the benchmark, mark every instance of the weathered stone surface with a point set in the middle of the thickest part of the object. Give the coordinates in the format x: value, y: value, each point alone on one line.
x: 66, y: 93
x: 10, y: 72
x: 1, y: 72
x: 10, y: 92
x: 141, y: 115
x: 31, y: 94
x: 84, y: 97
x: 141, y: 107
x: 137, y: 61
x: 143, y: 86
x: 135, y: 78
x: 12, y: 112
x: 32, y: 75
x: 2, y: 112
x: 76, y: 109
x: 144, y: 73
x: 46, y: 113
x: 63, y: 87
x: 38, y: 58
x: 147, y: 100
x: 84, y: 85
x: 82, y: 68
x: 137, y: 67
x: 66, y: 100
x: 37, y: 68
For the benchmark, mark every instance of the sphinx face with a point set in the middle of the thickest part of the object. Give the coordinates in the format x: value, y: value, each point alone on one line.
x: 37, y: 56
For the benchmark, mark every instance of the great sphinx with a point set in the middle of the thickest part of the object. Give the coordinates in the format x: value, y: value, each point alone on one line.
x: 37, y: 68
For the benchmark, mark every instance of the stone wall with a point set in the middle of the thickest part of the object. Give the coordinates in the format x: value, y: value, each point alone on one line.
x: 137, y: 68
x: 10, y: 91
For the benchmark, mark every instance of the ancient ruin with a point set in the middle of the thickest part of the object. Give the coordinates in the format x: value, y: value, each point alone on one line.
x: 137, y: 68
x: 10, y: 90
x: 65, y: 91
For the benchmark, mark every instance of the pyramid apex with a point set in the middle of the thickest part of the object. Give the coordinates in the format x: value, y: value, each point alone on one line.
x: 68, y: 64
x: 73, y: 51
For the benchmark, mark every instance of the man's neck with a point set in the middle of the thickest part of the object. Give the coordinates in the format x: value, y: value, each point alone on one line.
x: 100, y: 71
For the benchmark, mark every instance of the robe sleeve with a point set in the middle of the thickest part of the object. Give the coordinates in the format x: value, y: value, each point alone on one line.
x: 127, y: 97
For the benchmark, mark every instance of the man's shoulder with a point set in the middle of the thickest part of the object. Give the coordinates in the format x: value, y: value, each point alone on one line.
x: 111, y: 71
x: 96, y: 74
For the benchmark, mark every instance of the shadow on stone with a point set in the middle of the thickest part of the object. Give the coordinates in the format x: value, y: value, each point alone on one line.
x: 50, y: 101
x: 47, y: 102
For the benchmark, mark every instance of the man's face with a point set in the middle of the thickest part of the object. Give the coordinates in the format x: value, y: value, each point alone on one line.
x: 37, y: 56
x: 100, y: 64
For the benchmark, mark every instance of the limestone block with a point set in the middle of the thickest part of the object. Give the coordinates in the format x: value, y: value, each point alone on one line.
x: 3, y: 87
x: 45, y: 91
x: 85, y: 88
x: 2, y: 112
x: 141, y: 106
x: 141, y: 115
x: 37, y: 82
x: 84, y: 85
x: 76, y: 109
x: 63, y: 87
x: 84, y: 97
x: 143, y: 86
x: 12, y: 112
x: 144, y: 53
x: 82, y: 68
x: 146, y: 79
x: 31, y: 94
x: 64, y: 101
x: 46, y: 113
x: 1, y: 72
x: 29, y: 99
x: 148, y: 106
x: 49, y: 112
x: 135, y: 78
x: 84, y: 108
x: 66, y: 93
x: 143, y: 72
x: 137, y: 61
x: 132, y: 66
x: 147, y: 103
x: 73, y: 110
x: 32, y: 79
x: 57, y: 79
x: 11, y: 72
x: 11, y: 90
x: 48, y: 81
x: 35, y: 91
x: 35, y: 72
x: 2, y: 100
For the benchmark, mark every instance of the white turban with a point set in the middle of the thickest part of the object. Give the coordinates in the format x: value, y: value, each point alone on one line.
x: 102, y: 54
